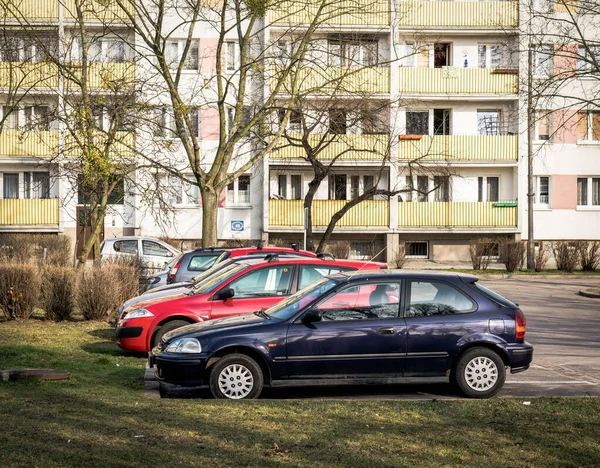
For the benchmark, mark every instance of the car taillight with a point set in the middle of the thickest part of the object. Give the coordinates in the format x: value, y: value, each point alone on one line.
x: 173, y: 270
x: 521, y: 325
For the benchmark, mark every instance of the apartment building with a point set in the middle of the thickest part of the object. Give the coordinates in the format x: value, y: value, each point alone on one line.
x: 434, y: 112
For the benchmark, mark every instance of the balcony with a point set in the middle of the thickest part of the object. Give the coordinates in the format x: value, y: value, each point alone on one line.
x: 444, y: 14
x: 368, y: 214
x: 96, y: 10
x: 28, y: 144
x: 456, y: 215
x: 347, y: 80
x: 358, y: 13
x: 114, y: 76
x: 459, y: 148
x: 123, y: 146
x: 342, y: 147
x: 31, y: 10
x: 28, y: 75
x: 454, y: 80
x: 29, y: 212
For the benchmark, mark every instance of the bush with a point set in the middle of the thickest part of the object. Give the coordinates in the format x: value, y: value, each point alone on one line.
x: 566, y: 255
x: 58, y: 292
x: 481, y: 251
x: 39, y: 248
x: 339, y: 249
x: 19, y: 289
x: 400, y: 259
x: 589, y: 253
x: 512, y: 255
x: 103, y: 289
x: 541, y: 257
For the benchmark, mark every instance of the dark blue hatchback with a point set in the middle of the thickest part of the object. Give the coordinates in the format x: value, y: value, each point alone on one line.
x: 372, y: 327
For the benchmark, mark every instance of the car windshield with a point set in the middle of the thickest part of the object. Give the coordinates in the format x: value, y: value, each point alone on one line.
x: 209, y: 284
x: 288, y: 307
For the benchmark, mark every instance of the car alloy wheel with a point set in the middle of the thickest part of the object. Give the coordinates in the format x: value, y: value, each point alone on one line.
x: 236, y: 381
x: 481, y: 374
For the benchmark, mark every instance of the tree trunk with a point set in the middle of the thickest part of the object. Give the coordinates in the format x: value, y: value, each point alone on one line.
x: 334, y: 220
x: 94, y: 240
x: 308, y: 200
x: 210, y: 211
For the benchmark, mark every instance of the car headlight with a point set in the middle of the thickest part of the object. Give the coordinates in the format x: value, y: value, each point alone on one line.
x: 184, y: 346
x: 138, y: 313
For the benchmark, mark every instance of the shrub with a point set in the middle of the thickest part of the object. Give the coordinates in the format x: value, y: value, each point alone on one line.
x: 58, y: 250
x: 589, y: 253
x: 339, y: 249
x: 400, y: 259
x: 512, y: 255
x: 58, y: 292
x: 481, y: 250
x: 40, y: 248
x: 19, y: 289
x: 541, y: 257
x: 566, y: 255
x: 103, y: 289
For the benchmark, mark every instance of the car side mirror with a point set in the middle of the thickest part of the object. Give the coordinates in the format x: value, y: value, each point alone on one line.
x: 224, y: 294
x: 312, y: 315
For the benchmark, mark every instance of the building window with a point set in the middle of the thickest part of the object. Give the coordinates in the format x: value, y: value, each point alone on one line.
x: 191, y: 189
x: 588, y: 60
x: 174, y: 50
x: 238, y: 192
x: 542, y: 126
x: 170, y: 188
x: 296, y: 186
x: 487, y: 189
x: 422, y: 188
x: 352, y: 53
x: 588, y: 126
x: 107, y: 51
x: 194, y: 116
x: 441, y: 121
x: 232, y: 56
x: 11, y: 185
x: 442, y: 188
x: 337, y: 121
x: 419, y: 249
x: 490, y: 55
x: 585, y: 196
x: 417, y: 122
x: 36, y: 184
x: 337, y: 187
x: 542, y: 190
x: 282, y: 181
x: 542, y: 61
x: 488, y: 122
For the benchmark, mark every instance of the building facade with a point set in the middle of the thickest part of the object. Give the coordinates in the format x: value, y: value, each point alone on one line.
x: 436, y: 111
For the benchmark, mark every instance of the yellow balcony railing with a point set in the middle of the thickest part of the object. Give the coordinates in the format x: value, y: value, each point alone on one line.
x: 29, y: 212
x: 122, y: 146
x: 38, y: 144
x: 115, y: 76
x: 96, y: 10
x: 342, y: 80
x: 453, y: 80
x: 342, y: 147
x: 27, y: 75
x: 456, y: 215
x: 30, y: 10
x: 485, y: 148
x: 368, y: 214
x: 447, y: 13
x: 344, y: 13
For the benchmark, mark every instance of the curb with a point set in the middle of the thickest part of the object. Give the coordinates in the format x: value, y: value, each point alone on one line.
x: 587, y: 293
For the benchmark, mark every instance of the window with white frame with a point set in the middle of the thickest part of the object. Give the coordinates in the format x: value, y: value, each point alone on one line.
x: 289, y: 188
x: 588, y: 191
x: 542, y: 126
x: 488, y: 122
x: 408, y: 59
x: 588, y: 126
x: 488, y: 189
x: 588, y: 60
x: 175, y: 50
x: 416, y: 249
x: 36, y: 184
x: 232, y: 56
x: 490, y: 55
x: 108, y: 50
x: 10, y: 114
x: 352, y: 52
x: 417, y: 122
x: 10, y: 185
x: 238, y: 192
x: 542, y: 191
x: 441, y: 192
x: 191, y: 190
x: 164, y: 122
x: 170, y: 188
x: 542, y: 61
x: 26, y: 49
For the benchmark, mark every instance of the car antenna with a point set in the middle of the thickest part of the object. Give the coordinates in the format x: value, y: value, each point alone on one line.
x: 367, y: 262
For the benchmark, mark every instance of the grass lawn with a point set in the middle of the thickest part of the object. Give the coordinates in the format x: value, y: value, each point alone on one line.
x: 496, y: 271
x: 101, y: 418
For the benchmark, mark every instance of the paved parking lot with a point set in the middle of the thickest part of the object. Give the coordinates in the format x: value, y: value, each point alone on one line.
x: 563, y: 327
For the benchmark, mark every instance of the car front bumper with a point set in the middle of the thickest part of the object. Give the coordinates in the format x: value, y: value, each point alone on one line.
x: 176, y: 369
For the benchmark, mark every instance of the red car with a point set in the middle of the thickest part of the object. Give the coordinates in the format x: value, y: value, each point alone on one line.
x: 243, y: 289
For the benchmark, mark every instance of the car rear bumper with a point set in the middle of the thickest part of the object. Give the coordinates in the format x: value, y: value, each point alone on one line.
x: 186, y: 371
x: 519, y: 357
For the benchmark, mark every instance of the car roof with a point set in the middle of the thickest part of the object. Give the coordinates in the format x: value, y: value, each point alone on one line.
x: 315, y: 261
x: 247, y: 250
x: 406, y: 274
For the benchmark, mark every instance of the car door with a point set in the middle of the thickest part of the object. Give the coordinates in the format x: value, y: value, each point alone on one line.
x: 361, y: 334
x: 255, y: 290
x: 437, y: 315
x: 154, y: 256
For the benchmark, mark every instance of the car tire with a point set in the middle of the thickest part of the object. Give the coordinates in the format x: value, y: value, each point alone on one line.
x: 236, y: 377
x: 479, y: 373
x: 167, y: 327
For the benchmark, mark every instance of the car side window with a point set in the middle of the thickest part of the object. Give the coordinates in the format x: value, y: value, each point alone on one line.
x: 311, y: 273
x: 362, y: 302
x: 437, y: 298
x: 153, y: 248
x: 126, y: 246
x: 266, y: 282
x: 202, y: 262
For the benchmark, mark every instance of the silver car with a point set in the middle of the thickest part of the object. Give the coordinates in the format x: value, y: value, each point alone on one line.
x: 153, y: 254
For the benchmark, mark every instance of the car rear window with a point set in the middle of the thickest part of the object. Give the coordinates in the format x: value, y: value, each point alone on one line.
x: 493, y: 296
x: 202, y: 262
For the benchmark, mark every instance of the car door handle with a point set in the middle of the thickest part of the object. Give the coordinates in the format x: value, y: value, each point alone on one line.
x: 387, y: 331
x: 340, y: 303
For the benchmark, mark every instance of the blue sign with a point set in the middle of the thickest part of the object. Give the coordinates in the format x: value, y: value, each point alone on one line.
x: 237, y: 226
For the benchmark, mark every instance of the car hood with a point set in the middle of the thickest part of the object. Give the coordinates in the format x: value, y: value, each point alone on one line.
x: 150, y: 299
x: 168, y: 287
x: 200, y: 328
